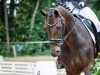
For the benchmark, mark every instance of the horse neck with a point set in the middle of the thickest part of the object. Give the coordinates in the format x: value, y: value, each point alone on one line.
x: 70, y: 31
x: 66, y: 16
x: 69, y: 22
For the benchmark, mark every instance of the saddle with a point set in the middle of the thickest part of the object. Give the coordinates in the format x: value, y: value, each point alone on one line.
x: 88, y: 23
x: 91, y: 26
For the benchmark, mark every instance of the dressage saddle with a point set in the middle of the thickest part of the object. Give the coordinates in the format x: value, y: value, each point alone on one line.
x: 92, y: 28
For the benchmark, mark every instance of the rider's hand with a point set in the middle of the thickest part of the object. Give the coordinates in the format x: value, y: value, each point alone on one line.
x: 81, y: 4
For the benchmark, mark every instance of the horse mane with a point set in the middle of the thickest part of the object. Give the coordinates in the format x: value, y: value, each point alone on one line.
x: 65, y: 14
x: 67, y: 17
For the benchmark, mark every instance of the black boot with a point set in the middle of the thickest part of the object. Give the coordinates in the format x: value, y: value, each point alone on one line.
x: 59, y: 63
x: 97, y: 43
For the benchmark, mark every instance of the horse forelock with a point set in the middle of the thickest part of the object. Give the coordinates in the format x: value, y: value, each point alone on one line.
x: 51, y: 12
x: 61, y: 10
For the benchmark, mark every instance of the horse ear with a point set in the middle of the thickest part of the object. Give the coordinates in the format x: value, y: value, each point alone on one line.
x: 56, y: 13
x: 44, y: 13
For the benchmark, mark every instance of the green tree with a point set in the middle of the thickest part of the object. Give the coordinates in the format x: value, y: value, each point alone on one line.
x: 21, y: 24
x: 97, y: 4
x: 25, y: 23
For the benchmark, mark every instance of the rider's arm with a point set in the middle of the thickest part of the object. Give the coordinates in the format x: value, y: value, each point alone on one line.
x: 82, y: 3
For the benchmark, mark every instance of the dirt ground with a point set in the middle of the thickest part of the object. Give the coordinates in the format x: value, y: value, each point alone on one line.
x: 31, y: 58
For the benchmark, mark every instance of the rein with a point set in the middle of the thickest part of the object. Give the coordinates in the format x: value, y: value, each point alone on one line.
x: 60, y: 41
x: 70, y: 31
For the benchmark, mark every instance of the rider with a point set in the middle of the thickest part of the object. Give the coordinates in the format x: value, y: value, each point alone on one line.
x: 79, y: 7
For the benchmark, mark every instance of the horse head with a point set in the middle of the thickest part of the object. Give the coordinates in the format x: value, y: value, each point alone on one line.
x: 55, y: 28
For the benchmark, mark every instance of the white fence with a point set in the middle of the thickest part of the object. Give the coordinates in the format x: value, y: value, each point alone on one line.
x: 17, y: 68
x: 28, y: 68
x: 45, y: 68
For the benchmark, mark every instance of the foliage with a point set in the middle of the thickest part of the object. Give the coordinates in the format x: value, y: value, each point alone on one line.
x: 3, y: 50
x: 94, y: 67
x: 19, y: 26
x: 97, y: 5
x: 36, y: 49
x: 94, y: 5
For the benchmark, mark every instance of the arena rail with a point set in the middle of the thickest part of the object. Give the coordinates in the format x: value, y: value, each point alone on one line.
x: 17, y: 68
x: 29, y: 68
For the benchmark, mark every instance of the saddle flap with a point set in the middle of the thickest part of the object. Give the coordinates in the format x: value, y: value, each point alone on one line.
x: 89, y: 25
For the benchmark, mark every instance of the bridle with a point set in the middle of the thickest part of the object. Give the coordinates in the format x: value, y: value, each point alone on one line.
x: 60, y: 41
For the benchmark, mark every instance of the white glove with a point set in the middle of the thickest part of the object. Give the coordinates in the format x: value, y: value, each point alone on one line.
x: 81, y: 4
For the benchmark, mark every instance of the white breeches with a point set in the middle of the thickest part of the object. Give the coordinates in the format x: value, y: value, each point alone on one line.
x: 86, y: 12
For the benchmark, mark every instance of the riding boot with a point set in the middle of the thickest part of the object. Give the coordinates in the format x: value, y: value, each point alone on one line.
x: 59, y: 63
x: 98, y: 43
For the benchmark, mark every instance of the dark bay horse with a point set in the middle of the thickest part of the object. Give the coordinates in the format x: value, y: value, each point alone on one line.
x: 70, y: 40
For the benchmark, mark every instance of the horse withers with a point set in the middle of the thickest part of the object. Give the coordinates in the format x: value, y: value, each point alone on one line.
x: 70, y: 40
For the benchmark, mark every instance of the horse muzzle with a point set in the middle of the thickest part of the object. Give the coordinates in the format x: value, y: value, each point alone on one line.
x: 55, y: 51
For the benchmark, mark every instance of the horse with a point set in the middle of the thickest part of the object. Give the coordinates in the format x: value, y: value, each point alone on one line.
x: 70, y: 40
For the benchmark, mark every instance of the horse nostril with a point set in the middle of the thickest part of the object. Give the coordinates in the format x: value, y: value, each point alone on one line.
x: 57, y: 52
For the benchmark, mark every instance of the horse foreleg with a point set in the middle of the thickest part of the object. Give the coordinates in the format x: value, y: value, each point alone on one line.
x: 72, y: 73
x: 87, y: 71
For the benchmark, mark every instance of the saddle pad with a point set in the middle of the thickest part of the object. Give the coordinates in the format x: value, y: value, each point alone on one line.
x: 82, y: 20
x: 91, y: 33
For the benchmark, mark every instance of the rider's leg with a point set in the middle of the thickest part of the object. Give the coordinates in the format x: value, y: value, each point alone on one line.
x: 98, y: 42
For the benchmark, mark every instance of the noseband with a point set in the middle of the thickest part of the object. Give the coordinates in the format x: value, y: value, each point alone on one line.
x: 60, y: 41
